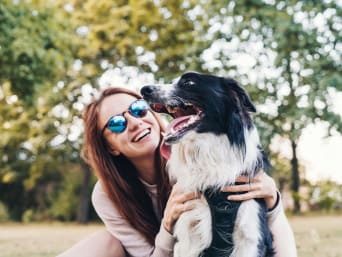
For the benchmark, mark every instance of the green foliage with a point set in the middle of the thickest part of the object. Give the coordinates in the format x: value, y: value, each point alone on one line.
x: 28, y: 216
x: 65, y: 203
x: 301, y: 44
x: 4, y: 216
x: 33, y: 47
x: 326, y: 195
x: 35, y: 51
x: 42, y: 96
x: 158, y: 36
x: 281, y: 170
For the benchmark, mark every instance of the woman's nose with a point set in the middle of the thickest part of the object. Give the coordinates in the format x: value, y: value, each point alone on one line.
x: 132, y: 122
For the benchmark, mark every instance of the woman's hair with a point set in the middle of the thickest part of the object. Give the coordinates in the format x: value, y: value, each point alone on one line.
x: 119, y: 177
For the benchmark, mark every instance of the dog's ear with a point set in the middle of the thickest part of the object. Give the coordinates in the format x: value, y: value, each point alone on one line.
x: 241, y: 95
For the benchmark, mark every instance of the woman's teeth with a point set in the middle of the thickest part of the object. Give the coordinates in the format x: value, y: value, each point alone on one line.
x: 141, y: 135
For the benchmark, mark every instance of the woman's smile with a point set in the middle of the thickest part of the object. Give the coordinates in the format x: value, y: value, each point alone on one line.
x: 142, y: 136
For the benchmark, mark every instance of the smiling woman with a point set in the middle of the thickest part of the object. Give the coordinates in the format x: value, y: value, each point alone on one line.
x: 122, y: 138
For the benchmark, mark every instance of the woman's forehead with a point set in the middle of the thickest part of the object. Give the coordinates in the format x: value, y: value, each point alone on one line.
x: 114, y: 104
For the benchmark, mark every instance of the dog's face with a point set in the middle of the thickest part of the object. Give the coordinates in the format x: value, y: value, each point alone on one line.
x: 204, y: 103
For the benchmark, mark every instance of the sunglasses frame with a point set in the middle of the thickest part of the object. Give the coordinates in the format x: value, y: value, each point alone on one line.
x: 131, y: 112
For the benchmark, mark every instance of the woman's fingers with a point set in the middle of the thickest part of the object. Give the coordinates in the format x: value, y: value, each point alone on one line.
x: 180, y: 208
x: 177, y: 203
x: 243, y: 197
x: 242, y: 188
x: 181, y: 198
x: 242, y: 179
x: 261, y: 186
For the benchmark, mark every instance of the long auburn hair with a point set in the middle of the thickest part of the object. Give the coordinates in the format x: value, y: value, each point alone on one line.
x: 118, y: 175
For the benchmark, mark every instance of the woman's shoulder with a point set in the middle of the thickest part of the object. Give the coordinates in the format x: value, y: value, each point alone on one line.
x: 101, y: 202
x: 98, y: 192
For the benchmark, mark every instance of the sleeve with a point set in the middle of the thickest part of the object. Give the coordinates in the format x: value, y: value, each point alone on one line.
x: 134, y: 243
x: 283, y: 237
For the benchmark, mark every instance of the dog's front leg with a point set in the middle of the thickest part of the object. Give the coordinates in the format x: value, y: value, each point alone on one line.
x: 193, y: 230
x: 247, y: 233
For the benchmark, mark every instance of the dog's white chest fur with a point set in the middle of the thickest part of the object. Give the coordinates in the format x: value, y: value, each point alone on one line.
x: 204, y: 160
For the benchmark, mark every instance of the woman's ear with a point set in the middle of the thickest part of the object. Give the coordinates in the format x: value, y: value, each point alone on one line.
x: 113, y: 151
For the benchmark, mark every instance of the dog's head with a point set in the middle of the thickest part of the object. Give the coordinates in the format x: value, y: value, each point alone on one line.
x: 204, y: 103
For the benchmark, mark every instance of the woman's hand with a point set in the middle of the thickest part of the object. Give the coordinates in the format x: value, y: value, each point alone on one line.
x: 176, y: 205
x: 262, y: 186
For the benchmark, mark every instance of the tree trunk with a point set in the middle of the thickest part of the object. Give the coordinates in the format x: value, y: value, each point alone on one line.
x: 83, y: 207
x: 295, y: 178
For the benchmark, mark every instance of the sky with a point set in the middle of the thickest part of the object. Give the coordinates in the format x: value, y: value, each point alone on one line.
x: 322, y: 156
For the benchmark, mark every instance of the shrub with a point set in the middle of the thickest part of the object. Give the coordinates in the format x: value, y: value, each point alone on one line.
x: 4, y: 216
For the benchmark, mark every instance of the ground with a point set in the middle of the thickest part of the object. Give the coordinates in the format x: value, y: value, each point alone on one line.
x: 316, y: 236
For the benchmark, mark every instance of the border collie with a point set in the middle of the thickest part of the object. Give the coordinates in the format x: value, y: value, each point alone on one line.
x: 211, y: 141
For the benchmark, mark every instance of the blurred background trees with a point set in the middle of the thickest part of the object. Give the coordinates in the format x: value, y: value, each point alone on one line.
x: 54, y: 56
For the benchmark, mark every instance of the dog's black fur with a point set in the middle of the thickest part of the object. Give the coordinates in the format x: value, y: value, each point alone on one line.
x: 223, y: 107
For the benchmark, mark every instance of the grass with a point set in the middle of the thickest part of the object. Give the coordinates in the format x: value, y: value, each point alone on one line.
x: 41, y: 240
x: 316, y: 236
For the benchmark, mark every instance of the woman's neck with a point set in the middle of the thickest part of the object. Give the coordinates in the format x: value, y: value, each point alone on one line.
x: 146, y: 169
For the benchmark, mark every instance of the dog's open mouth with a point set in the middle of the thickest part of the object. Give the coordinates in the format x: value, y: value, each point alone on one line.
x: 186, y: 117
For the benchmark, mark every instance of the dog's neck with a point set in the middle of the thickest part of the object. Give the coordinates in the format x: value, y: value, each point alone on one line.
x: 205, y: 160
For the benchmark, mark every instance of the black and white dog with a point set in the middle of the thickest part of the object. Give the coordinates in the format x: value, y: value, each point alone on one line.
x: 212, y: 141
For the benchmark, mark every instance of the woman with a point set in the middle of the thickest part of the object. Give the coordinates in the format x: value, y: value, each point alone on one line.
x: 133, y: 196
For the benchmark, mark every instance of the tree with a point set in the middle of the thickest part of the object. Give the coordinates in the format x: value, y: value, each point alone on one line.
x: 152, y: 36
x: 34, y: 54
x: 42, y: 97
x: 163, y: 37
x: 298, y: 61
x: 326, y: 195
x: 38, y: 42
x: 34, y: 47
x: 308, y: 67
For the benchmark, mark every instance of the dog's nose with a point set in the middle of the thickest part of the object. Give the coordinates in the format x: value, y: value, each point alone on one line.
x: 147, y: 90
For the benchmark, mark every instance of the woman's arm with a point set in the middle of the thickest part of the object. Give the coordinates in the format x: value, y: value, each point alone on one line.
x: 99, y: 244
x: 283, y: 238
x: 133, y: 242
x: 263, y: 186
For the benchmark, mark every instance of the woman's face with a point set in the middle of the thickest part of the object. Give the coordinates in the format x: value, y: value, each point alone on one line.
x: 141, y: 136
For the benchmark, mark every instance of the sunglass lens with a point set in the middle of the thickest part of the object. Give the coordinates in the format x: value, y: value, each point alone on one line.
x: 117, y: 124
x: 139, y: 108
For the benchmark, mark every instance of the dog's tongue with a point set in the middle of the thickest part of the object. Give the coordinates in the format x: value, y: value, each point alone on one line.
x: 176, y: 123
x: 165, y: 149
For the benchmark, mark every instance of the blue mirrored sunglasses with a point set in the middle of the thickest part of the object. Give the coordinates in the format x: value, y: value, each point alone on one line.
x: 118, y: 123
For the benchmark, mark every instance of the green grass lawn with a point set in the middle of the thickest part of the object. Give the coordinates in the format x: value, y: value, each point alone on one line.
x: 315, y: 236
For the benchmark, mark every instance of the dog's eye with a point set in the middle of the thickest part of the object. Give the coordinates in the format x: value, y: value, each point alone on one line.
x: 188, y: 83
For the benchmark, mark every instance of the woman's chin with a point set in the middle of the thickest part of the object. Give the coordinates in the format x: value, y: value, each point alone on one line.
x: 148, y: 143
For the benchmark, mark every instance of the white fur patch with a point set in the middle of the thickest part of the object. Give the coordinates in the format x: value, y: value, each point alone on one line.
x: 166, y: 91
x: 246, y: 230
x: 205, y: 160
x: 193, y: 230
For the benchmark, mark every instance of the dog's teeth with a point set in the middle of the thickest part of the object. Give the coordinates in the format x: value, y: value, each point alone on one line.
x: 192, y: 119
x: 171, y: 109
